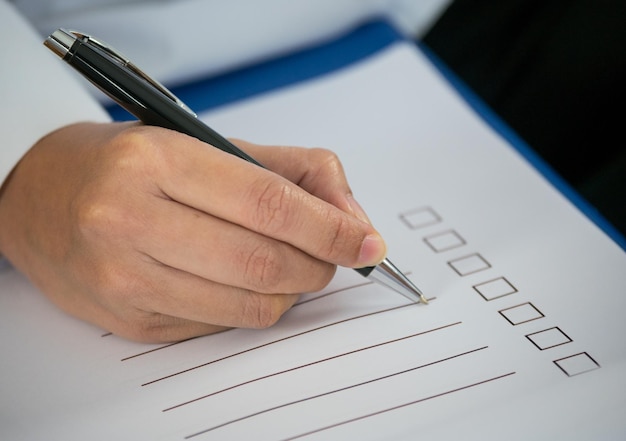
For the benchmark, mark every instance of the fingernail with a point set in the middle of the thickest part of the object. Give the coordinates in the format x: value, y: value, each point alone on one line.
x: 357, y: 210
x: 373, y: 251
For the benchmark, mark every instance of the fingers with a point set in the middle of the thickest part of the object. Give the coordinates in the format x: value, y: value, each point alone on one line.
x: 318, y: 171
x: 160, y: 328
x: 179, y: 294
x: 166, y: 304
x: 264, y: 202
x: 181, y: 237
x: 150, y: 327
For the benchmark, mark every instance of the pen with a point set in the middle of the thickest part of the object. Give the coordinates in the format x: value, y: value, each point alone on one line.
x: 155, y: 105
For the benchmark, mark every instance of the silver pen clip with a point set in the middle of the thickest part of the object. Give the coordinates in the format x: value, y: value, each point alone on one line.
x: 61, y: 42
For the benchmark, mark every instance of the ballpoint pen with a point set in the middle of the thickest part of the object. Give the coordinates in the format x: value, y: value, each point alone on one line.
x: 153, y: 104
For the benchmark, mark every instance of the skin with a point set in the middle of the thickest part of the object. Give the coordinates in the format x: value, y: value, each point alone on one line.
x: 153, y: 236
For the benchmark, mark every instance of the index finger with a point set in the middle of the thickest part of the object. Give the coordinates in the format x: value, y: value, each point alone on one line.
x: 318, y: 171
x: 240, y: 192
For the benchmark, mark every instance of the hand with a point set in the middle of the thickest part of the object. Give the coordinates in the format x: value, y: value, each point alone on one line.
x: 155, y: 236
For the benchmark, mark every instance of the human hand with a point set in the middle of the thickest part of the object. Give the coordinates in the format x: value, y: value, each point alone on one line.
x: 155, y: 236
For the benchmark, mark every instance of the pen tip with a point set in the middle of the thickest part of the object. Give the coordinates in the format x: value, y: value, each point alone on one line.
x: 387, y: 274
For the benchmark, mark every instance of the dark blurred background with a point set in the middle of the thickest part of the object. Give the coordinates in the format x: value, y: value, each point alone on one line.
x: 555, y: 71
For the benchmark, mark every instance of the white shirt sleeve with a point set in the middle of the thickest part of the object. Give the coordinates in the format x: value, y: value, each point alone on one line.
x: 39, y: 93
x: 180, y: 40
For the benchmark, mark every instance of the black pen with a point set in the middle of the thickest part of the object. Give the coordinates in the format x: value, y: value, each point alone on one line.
x: 153, y: 104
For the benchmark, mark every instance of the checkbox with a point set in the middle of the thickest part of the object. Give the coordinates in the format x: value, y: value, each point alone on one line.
x: 444, y: 241
x: 420, y: 217
x: 577, y: 364
x: 549, y: 338
x: 469, y: 264
x: 526, y: 312
x: 494, y: 289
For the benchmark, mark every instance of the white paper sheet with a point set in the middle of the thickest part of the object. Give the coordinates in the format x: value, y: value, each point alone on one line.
x: 523, y: 338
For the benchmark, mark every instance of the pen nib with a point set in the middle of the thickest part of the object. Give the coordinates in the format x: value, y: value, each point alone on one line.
x: 388, y: 275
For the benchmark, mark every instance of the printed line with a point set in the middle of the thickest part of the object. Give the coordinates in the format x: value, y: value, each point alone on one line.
x: 334, y: 357
x: 278, y: 341
x: 106, y: 334
x: 169, y: 345
x: 339, y: 390
x: 226, y: 330
x: 411, y: 403
x: 332, y: 292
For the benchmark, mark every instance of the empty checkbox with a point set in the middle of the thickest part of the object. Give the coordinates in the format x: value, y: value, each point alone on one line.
x: 444, y: 241
x: 469, y: 264
x: 523, y: 313
x: 494, y: 289
x: 577, y: 364
x: 420, y: 217
x: 549, y: 338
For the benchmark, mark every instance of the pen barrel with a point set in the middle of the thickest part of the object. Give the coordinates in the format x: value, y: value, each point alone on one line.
x: 140, y: 98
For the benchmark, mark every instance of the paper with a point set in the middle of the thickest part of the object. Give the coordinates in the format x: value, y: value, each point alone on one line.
x: 523, y: 338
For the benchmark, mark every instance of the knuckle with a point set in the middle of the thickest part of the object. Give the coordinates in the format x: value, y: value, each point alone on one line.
x: 324, y: 276
x: 339, y: 239
x: 274, y: 206
x: 138, y: 152
x: 133, y: 138
x: 101, y: 208
x: 105, y: 220
x: 128, y: 147
x: 262, y: 311
x: 263, y: 270
x: 326, y: 157
x: 329, y: 163
x: 150, y: 328
x: 128, y: 300
x: 96, y: 217
x: 113, y: 284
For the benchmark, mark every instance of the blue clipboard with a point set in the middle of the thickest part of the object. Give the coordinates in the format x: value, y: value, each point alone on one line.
x: 357, y: 44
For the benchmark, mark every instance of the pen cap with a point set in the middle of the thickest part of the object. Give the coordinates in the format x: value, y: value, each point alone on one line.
x: 60, y: 42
